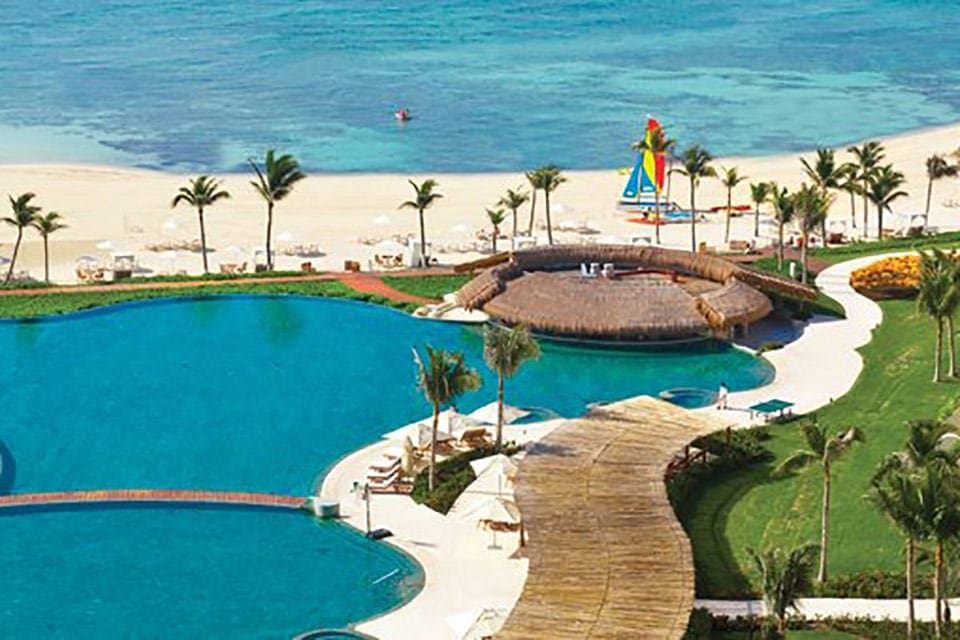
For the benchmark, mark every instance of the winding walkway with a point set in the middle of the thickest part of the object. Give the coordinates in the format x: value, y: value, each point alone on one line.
x: 185, y: 496
x: 608, y: 558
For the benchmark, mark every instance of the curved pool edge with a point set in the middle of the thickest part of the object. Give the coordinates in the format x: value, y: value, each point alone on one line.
x: 799, y: 372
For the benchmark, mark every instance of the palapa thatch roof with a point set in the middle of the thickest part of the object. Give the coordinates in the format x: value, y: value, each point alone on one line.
x: 542, y: 288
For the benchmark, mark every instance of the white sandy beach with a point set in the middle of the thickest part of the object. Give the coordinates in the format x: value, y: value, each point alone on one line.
x: 131, y: 208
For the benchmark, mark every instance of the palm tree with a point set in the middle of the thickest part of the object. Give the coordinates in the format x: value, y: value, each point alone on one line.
x: 534, y: 178
x: 200, y: 193
x: 660, y: 145
x: 696, y: 165
x: 868, y: 157
x: 937, y: 296
x: 783, y: 207
x: 824, y: 449
x: 513, y: 200
x: 759, y: 192
x: 850, y: 182
x: 443, y: 378
x: 274, y: 184
x: 811, y: 205
x: 899, y: 497
x: 23, y: 216
x: 826, y: 175
x: 883, y: 189
x: 46, y: 225
x: 784, y: 577
x: 504, y: 350
x: 550, y: 180
x: 423, y: 199
x: 938, y: 507
x: 496, y: 217
x: 730, y: 179
x: 937, y: 168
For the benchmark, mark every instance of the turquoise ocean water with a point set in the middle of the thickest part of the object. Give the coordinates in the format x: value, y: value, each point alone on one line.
x: 498, y: 84
x: 239, y: 393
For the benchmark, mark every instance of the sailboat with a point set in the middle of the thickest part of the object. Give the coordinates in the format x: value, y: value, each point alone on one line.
x: 646, y: 180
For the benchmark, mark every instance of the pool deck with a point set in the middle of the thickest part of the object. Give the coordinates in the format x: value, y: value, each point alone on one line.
x: 608, y: 558
x: 823, y: 364
x: 186, y: 496
x: 463, y: 575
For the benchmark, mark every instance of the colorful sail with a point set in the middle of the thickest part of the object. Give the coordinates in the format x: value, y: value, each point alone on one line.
x: 648, y: 173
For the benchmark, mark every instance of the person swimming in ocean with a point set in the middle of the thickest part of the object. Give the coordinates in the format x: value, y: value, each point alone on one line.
x: 402, y: 114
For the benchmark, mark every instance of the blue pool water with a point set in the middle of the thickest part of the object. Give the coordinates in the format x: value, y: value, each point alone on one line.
x: 239, y: 393
x: 500, y: 84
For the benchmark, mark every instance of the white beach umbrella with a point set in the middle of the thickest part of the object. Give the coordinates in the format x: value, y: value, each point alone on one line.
x: 487, y: 414
x: 235, y: 250
x: 459, y: 228
x: 406, y: 458
x: 170, y: 226
x: 389, y: 247
x: 106, y: 245
x: 497, y: 464
x: 494, y: 511
x: 561, y: 208
x: 285, y: 236
x: 382, y: 221
x: 80, y: 260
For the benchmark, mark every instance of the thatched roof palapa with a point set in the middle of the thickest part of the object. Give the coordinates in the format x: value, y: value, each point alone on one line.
x: 661, y: 294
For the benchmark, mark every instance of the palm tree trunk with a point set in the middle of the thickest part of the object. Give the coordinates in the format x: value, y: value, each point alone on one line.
x: 926, y: 211
x: 499, y: 442
x: 936, y: 358
x: 13, y: 258
x: 693, y: 216
x: 513, y: 238
x: 433, y: 448
x: 910, y: 608
x: 853, y: 210
x: 46, y: 259
x: 824, y: 524
x: 423, y: 241
x: 496, y: 232
x: 546, y: 208
x: 866, y: 207
x: 756, y: 222
x: 656, y: 216
x: 533, y: 208
x: 780, y: 245
x: 726, y: 233
x: 805, y: 238
x: 203, y: 240
x: 269, y: 233
x: 879, y: 222
x: 937, y: 584
x: 951, y: 349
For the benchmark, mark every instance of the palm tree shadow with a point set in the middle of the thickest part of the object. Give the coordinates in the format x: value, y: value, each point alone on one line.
x: 548, y: 449
x: 8, y: 470
x: 735, y: 583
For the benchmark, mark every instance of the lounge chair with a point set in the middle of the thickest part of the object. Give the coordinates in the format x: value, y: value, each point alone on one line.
x: 387, y: 468
x: 474, y: 438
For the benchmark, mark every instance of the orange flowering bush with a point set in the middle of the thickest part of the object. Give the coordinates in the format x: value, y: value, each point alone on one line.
x: 890, y: 277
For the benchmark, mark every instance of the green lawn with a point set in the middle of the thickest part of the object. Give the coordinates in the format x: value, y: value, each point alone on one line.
x: 426, y: 286
x: 748, y: 509
x: 29, y: 305
x: 834, y: 255
x: 818, y: 634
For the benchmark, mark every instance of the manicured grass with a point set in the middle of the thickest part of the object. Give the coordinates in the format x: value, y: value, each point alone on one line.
x: 823, y: 305
x: 808, y: 634
x: 426, y: 286
x: 29, y: 306
x: 834, y: 255
x: 748, y: 509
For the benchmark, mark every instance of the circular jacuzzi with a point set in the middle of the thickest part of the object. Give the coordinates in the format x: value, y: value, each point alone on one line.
x: 689, y: 397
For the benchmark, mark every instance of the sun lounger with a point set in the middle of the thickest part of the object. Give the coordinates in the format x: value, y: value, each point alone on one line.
x: 400, y: 488
x: 385, y: 477
x: 474, y: 438
x: 387, y: 468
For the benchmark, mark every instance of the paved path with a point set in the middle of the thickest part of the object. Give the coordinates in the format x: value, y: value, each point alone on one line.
x: 831, y: 608
x: 150, y: 495
x: 823, y: 364
x: 363, y: 282
x: 608, y: 558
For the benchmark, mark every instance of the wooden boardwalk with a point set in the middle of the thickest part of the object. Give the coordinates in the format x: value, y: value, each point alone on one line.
x: 185, y: 496
x: 608, y: 558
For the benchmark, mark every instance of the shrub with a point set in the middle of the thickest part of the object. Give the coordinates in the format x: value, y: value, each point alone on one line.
x: 453, y: 476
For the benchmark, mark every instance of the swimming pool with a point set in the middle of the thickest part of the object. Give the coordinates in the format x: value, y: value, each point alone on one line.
x: 252, y: 394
